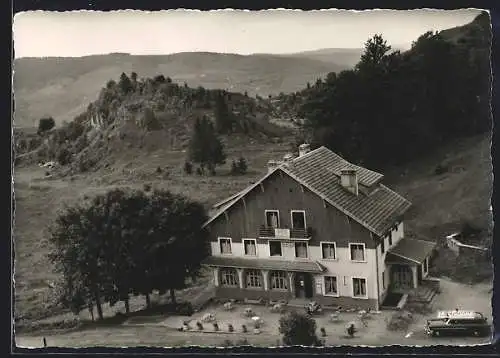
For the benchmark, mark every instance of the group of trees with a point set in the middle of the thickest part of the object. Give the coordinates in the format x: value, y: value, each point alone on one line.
x: 126, y: 243
x: 394, y: 106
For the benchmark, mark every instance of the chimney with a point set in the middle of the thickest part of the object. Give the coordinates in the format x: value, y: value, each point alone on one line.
x: 349, y: 180
x: 271, y: 165
x: 288, y: 159
x: 304, y: 149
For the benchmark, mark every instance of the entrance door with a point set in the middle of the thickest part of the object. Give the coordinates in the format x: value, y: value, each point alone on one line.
x: 402, y: 277
x: 303, y: 285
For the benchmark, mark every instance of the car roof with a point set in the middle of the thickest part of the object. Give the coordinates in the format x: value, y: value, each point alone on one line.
x: 459, y: 314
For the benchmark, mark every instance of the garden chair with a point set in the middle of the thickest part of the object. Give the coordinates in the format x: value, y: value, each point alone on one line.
x: 363, y: 316
x: 208, y: 317
x: 248, y: 312
x: 335, y: 317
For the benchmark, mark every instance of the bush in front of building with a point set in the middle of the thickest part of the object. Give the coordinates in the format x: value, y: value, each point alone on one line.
x: 298, y: 329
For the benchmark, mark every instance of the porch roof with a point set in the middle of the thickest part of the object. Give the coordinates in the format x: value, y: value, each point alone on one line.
x: 264, y: 264
x: 410, y: 251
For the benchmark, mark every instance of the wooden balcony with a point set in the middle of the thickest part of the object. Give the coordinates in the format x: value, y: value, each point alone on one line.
x: 284, y: 233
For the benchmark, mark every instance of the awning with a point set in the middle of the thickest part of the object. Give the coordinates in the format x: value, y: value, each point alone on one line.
x: 410, y: 251
x: 264, y: 264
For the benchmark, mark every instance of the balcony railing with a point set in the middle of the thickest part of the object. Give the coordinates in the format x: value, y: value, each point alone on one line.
x: 284, y: 233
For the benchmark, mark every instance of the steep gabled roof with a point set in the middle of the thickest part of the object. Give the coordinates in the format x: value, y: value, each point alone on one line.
x: 319, y: 171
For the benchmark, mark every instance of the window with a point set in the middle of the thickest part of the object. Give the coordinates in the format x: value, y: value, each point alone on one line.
x: 390, y: 239
x: 279, y: 280
x: 253, y: 278
x: 272, y: 218
x: 357, y: 252
x: 382, y: 245
x: 298, y: 219
x: 275, y: 248
x: 359, y: 287
x: 331, y: 285
x: 228, y: 277
x: 425, y: 265
x: 250, y: 247
x: 328, y: 250
x: 225, y: 245
x: 301, y: 250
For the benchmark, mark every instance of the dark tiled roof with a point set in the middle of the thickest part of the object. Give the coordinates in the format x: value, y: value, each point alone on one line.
x: 324, y: 158
x: 319, y: 171
x: 264, y: 264
x: 410, y: 250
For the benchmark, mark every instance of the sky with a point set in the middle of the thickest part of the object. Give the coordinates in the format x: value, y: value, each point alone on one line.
x: 81, y: 33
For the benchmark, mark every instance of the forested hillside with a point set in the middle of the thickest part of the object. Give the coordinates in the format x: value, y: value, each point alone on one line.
x: 396, y: 106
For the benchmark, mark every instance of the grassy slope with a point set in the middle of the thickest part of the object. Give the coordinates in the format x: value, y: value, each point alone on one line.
x: 442, y: 203
x: 63, y: 87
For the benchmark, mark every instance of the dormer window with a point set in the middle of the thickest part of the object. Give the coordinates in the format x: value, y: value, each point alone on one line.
x: 349, y: 180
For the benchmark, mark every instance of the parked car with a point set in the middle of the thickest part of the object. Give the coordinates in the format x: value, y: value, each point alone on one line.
x: 458, y: 322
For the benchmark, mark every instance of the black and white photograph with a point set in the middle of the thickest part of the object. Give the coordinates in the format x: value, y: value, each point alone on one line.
x: 252, y: 178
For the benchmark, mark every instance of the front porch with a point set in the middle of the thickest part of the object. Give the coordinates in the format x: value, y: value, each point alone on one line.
x: 267, y: 279
x: 408, y: 264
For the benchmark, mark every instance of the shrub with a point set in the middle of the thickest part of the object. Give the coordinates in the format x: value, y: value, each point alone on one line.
x: 227, y: 343
x: 216, y: 326
x: 244, y: 328
x: 158, y: 170
x: 184, y: 309
x: 230, y: 327
x: 400, y: 321
x: 242, y: 342
x: 323, y: 332
x: 199, y: 326
x: 63, y: 156
x: 188, y: 168
x: 298, y: 329
x: 199, y: 171
x: 239, y: 167
x: 146, y: 187
x: 242, y: 165
x: 441, y: 169
x: 45, y: 124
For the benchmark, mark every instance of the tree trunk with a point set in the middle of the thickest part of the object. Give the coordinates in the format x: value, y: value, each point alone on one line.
x: 98, y: 305
x: 91, y: 310
x: 127, y: 306
x: 148, y: 301
x: 172, y: 296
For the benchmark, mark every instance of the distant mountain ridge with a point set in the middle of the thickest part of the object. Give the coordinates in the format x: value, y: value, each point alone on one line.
x: 63, y: 87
